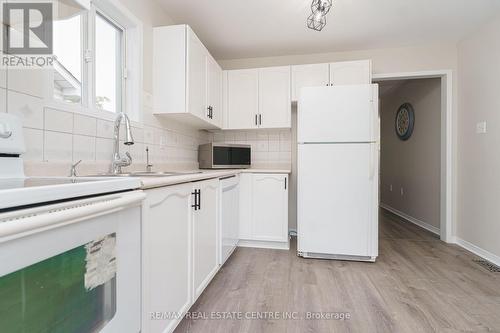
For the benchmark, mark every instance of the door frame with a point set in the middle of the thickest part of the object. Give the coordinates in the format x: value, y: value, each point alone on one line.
x: 447, y: 223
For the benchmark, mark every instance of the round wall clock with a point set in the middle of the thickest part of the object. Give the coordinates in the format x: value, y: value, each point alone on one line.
x: 405, y: 121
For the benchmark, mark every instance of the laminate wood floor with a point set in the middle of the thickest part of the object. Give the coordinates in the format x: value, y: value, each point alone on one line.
x: 418, y: 284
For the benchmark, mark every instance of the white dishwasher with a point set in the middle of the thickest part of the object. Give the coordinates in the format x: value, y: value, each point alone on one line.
x: 229, y: 216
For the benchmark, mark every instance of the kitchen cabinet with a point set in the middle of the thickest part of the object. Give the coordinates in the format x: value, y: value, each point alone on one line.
x: 264, y: 210
x: 205, y: 263
x: 214, y: 92
x: 166, y: 255
x: 336, y: 73
x: 229, y: 216
x: 258, y: 98
x: 187, y: 81
x: 314, y: 75
x: 242, y: 99
x: 350, y: 72
x: 274, y: 97
x: 179, y: 249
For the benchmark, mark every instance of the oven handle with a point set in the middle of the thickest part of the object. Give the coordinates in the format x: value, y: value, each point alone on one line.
x: 29, y: 221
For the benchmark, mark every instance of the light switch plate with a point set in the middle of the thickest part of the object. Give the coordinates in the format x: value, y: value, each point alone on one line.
x: 481, y: 127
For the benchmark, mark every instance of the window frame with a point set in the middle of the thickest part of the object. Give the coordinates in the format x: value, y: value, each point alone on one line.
x: 132, y: 64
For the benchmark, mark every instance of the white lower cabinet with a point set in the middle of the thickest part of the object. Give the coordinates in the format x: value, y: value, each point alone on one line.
x: 264, y: 210
x: 166, y: 256
x: 179, y: 251
x: 205, y: 263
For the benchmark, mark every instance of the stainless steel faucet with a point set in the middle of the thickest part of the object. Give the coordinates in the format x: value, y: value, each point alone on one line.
x: 118, y: 162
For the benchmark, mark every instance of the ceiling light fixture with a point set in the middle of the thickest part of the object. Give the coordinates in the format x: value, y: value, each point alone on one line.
x: 317, y: 19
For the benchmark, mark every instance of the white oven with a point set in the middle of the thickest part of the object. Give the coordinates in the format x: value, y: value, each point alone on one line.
x: 72, y: 266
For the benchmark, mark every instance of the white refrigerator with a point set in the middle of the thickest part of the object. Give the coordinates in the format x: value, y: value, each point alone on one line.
x: 338, y: 131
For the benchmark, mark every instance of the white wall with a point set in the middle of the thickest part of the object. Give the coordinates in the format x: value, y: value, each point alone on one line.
x: 479, y: 154
x: 412, y: 165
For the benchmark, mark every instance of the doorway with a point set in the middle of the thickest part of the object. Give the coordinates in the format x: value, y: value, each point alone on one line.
x: 433, y: 87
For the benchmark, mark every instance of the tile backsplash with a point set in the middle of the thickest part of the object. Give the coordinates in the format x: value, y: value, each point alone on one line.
x: 269, y: 147
x: 59, y: 137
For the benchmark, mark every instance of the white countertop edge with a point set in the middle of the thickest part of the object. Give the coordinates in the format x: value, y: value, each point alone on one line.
x: 155, y: 182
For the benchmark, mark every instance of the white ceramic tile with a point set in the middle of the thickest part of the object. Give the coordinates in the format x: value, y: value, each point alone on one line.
x: 137, y: 151
x: 58, y: 121
x: 274, y: 142
x: 138, y: 134
x: 34, y: 144
x: 285, y: 136
x: 105, y: 129
x: 172, y: 138
x: 27, y: 107
x: 240, y: 136
x: 285, y: 146
x: 103, y: 150
x: 58, y: 147
x: 219, y: 137
x: 251, y: 136
x: 84, y: 125
x: 285, y: 157
x: 148, y: 135
x: 274, y: 157
x: 262, y: 146
x: 83, y: 148
x: 262, y: 136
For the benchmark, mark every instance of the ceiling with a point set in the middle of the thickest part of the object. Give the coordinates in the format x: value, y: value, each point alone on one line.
x: 233, y: 29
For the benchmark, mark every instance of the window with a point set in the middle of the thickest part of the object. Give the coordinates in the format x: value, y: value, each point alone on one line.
x: 92, y: 56
x: 108, y: 64
x: 68, y: 59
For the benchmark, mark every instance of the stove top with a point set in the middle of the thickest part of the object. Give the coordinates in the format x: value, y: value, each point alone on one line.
x: 19, y: 192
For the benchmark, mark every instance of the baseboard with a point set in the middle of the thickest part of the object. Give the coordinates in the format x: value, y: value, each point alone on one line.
x: 478, y: 251
x: 411, y: 219
x: 264, y: 244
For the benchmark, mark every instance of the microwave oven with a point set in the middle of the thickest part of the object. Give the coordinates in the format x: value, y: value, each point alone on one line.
x: 224, y: 156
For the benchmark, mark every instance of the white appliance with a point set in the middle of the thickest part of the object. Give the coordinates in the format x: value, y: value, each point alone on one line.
x: 337, y: 170
x: 69, y: 247
x: 229, y: 218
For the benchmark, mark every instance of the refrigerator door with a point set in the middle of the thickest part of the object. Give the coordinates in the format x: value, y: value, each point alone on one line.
x: 337, y: 206
x: 338, y: 114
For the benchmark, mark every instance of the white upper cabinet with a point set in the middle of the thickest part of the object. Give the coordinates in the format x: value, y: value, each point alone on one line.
x: 187, y: 81
x: 258, y: 98
x: 315, y: 75
x: 242, y: 99
x: 336, y: 73
x: 274, y: 97
x: 351, y: 72
x: 214, y: 92
x: 197, y: 75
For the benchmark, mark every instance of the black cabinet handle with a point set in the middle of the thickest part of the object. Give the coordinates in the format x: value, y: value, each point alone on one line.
x: 199, y: 199
x: 256, y: 123
x: 195, y: 193
x: 260, y: 119
x: 285, y: 183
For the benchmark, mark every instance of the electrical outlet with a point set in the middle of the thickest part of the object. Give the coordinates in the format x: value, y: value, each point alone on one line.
x: 481, y: 127
x: 402, y: 191
x: 390, y: 187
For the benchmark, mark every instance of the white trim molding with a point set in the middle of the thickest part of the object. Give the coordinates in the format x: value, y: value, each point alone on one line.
x: 448, y: 162
x: 478, y: 251
x: 411, y: 219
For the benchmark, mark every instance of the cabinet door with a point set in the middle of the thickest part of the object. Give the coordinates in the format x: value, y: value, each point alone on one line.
x: 229, y: 217
x: 197, y: 75
x: 270, y: 207
x: 350, y: 72
x: 205, y: 236
x: 274, y: 97
x: 166, y: 255
x: 214, y: 91
x: 243, y: 98
x: 315, y: 75
x: 245, y: 225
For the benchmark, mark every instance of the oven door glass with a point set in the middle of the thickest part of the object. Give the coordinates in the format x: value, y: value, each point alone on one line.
x: 74, y: 291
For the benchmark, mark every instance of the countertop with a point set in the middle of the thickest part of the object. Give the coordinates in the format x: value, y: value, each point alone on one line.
x: 153, y: 182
